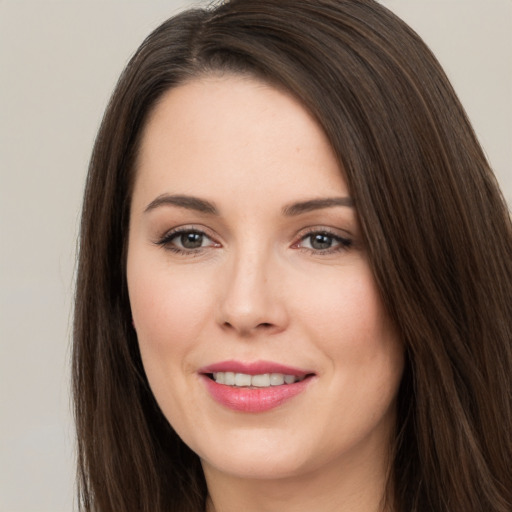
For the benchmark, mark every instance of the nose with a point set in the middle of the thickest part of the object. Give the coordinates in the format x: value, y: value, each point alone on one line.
x: 252, y: 298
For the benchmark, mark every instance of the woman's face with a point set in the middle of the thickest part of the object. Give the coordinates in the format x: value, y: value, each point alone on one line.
x: 246, y: 265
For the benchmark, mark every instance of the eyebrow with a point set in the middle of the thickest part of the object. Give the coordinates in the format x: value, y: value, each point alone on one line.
x: 204, y: 206
x: 316, y: 204
x: 182, y: 201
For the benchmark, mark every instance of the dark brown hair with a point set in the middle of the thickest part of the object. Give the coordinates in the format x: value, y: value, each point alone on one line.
x: 437, y: 230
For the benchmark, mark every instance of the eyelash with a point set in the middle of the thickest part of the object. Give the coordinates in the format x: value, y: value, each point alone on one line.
x: 343, y: 244
x: 167, y: 241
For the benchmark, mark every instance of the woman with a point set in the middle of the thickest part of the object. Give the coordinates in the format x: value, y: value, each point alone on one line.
x: 294, y: 279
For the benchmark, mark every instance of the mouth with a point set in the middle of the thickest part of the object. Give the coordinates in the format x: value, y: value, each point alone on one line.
x: 262, y: 380
x: 257, y: 374
x: 254, y: 387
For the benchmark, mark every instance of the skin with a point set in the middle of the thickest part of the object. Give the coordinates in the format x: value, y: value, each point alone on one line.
x: 261, y: 288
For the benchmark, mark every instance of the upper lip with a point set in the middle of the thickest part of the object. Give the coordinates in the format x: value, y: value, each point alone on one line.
x: 254, y: 368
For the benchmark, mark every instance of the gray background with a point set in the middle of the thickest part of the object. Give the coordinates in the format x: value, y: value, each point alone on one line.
x: 59, y: 61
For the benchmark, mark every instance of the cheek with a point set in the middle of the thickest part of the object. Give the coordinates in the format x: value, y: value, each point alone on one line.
x: 346, y: 309
x: 168, y: 308
x: 349, y: 324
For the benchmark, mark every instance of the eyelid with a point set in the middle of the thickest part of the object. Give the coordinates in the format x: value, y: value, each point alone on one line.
x: 335, y: 232
x: 345, y: 240
x: 165, y: 239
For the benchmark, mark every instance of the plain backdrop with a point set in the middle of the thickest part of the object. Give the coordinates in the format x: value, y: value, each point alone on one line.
x: 59, y: 61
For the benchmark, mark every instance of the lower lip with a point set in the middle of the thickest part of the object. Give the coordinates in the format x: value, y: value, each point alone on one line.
x: 254, y: 399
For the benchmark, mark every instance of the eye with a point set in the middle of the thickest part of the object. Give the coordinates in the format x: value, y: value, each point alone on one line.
x: 323, y: 242
x: 186, y: 241
x: 189, y: 240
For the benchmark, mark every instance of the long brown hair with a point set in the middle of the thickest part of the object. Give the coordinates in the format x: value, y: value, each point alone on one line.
x: 437, y: 230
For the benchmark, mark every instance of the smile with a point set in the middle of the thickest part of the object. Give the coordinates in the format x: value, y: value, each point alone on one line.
x: 254, y: 387
x: 263, y: 380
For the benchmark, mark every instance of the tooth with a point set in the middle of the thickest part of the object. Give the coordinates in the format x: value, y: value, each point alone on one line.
x: 229, y: 378
x: 242, y: 379
x: 289, y: 379
x: 276, y: 379
x: 261, y: 381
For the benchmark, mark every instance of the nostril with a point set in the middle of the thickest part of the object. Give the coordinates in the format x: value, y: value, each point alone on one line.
x: 245, y: 327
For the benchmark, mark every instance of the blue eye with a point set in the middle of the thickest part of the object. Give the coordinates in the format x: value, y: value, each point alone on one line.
x: 323, y: 241
x: 185, y: 241
x: 189, y: 240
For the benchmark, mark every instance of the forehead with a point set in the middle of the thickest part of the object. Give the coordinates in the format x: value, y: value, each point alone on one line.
x: 235, y: 135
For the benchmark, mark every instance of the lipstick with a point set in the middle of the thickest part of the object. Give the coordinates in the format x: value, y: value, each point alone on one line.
x: 253, y: 387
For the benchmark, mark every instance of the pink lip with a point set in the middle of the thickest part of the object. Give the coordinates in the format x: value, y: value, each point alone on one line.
x: 253, y: 400
x: 255, y: 368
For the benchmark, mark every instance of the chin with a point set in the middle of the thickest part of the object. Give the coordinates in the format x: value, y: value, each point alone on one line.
x: 262, y: 467
x: 258, y: 457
